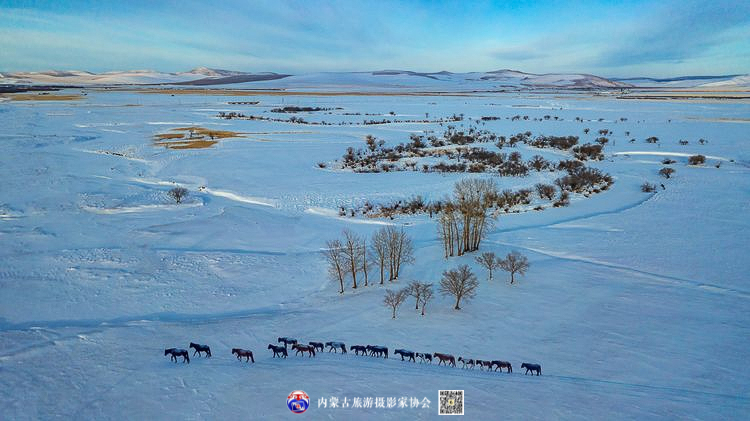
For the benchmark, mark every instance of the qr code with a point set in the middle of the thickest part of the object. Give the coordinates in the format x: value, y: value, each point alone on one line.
x: 451, y: 402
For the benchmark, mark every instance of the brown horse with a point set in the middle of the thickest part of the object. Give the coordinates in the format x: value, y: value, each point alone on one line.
x: 442, y: 358
x: 243, y: 353
x: 501, y: 365
x: 466, y: 363
x: 304, y: 348
x: 318, y: 345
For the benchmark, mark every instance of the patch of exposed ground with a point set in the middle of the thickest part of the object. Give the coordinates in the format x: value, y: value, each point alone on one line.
x: 44, y: 97
x: 192, y: 137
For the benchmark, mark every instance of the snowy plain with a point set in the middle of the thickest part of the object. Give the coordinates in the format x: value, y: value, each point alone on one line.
x: 636, y: 304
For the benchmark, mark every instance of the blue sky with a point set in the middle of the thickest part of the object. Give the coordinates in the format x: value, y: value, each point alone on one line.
x: 615, y: 38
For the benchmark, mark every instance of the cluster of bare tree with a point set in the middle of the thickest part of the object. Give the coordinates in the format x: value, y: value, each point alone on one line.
x: 513, y: 263
x: 459, y: 283
x: 388, y: 250
x: 463, y: 219
x: 422, y: 293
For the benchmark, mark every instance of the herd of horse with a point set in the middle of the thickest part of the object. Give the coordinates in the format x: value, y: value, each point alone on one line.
x: 364, y: 350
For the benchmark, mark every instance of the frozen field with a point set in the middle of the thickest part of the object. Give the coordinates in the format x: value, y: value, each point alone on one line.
x: 637, y: 305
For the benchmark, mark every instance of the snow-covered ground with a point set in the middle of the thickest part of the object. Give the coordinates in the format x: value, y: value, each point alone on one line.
x: 636, y: 304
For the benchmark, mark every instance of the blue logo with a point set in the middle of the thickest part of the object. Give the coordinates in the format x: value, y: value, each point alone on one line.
x: 298, y: 401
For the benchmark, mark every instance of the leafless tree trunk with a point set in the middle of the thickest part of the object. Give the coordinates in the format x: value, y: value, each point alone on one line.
x: 379, y: 247
x: 415, y: 290
x: 334, y: 256
x: 460, y: 283
x: 352, y: 254
x: 365, y: 262
x: 426, y: 295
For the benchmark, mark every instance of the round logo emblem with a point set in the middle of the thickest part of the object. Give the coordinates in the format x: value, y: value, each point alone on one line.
x: 298, y: 401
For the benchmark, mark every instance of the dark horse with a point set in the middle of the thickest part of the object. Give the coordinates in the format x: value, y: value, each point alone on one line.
x: 377, y: 350
x: 280, y: 350
x: 501, y: 365
x: 243, y: 353
x: 304, y: 348
x: 532, y: 368
x: 318, y: 346
x: 424, y: 357
x: 404, y: 353
x: 442, y: 358
x: 177, y: 352
x: 287, y: 341
x: 200, y: 348
x: 357, y: 349
x: 334, y: 346
x: 466, y: 363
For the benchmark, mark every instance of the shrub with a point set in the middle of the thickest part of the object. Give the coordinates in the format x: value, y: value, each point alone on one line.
x: 538, y: 163
x: 588, y: 151
x: 546, y: 191
x: 668, y: 161
x: 583, y: 180
x: 666, y: 172
x: 177, y: 194
x: 322, y: 165
x: 557, y: 142
x: 697, y: 160
x: 562, y: 200
x: 648, y: 187
x: 569, y: 165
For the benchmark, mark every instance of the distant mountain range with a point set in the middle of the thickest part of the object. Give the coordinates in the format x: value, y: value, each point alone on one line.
x: 379, y: 80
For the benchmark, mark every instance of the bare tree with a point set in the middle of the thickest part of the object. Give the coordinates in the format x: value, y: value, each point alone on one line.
x: 463, y: 220
x: 379, y: 247
x: 426, y: 295
x: 461, y: 283
x: 514, y: 262
x: 474, y: 197
x: 395, y: 299
x: 365, y: 262
x: 489, y: 261
x: 400, y: 250
x: 177, y: 194
x: 335, y: 257
x: 352, y: 254
x: 415, y: 290
x: 448, y: 228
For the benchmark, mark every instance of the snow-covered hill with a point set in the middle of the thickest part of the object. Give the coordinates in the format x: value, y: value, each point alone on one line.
x: 385, y: 79
x: 200, y: 76
x: 727, y: 81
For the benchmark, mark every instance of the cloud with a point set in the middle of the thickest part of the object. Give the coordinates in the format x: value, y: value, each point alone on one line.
x: 676, y: 33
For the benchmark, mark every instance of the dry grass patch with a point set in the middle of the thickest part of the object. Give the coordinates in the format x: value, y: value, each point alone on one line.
x: 44, y: 97
x: 193, y: 137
